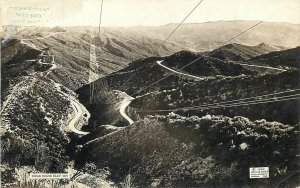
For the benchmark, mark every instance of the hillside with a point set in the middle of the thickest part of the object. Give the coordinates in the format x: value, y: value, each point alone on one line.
x: 147, y: 71
x: 289, y: 58
x: 211, y: 151
x: 32, y: 104
x: 73, y: 46
x: 204, y: 66
x: 139, y: 74
x: 213, y: 81
x: 222, y: 91
x: 238, y: 52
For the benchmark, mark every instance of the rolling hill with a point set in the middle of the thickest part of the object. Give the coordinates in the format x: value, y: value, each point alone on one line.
x: 289, y: 59
x: 238, y: 52
x: 211, y: 151
x: 72, y: 47
x: 223, y: 80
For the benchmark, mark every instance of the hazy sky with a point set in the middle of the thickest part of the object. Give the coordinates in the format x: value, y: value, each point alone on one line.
x: 144, y: 12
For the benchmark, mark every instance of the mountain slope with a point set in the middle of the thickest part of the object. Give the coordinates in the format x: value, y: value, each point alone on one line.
x: 287, y: 58
x: 211, y: 151
x: 212, y: 80
x: 204, y: 66
x: 72, y: 49
x: 146, y: 72
x: 238, y: 52
x: 32, y: 104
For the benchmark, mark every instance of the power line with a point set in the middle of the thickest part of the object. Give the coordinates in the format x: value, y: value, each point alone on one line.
x: 252, y: 89
x: 245, y: 99
x: 99, y: 30
x: 275, y: 99
x: 126, y: 82
x: 202, y: 55
x: 100, y: 19
x: 214, y: 106
x: 239, y: 102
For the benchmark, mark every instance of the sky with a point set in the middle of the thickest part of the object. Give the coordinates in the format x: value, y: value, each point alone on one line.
x: 144, y: 12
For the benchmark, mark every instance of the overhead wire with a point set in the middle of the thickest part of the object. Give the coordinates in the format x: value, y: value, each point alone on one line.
x: 229, y: 105
x: 92, y: 84
x: 248, y: 98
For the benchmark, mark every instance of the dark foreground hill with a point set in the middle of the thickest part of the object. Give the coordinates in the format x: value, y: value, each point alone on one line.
x: 211, y: 151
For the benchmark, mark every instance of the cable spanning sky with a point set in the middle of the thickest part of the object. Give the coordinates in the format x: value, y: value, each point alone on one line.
x: 144, y: 12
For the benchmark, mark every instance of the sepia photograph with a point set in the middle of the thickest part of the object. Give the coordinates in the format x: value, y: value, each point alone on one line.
x: 150, y: 93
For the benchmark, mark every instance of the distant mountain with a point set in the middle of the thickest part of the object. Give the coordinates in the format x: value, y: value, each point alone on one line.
x: 209, y: 35
x: 239, y: 52
x: 57, y: 29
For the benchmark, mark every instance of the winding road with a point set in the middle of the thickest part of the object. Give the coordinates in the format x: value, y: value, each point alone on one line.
x: 260, y: 66
x: 124, y: 103
x: 184, y: 74
x: 79, y: 112
x: 126, y: 100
